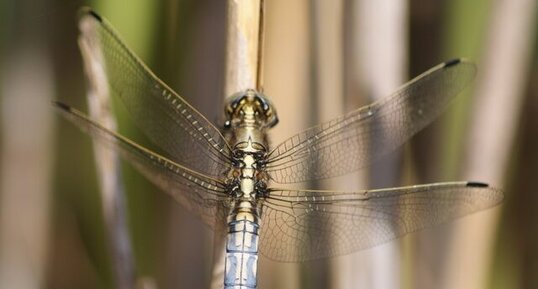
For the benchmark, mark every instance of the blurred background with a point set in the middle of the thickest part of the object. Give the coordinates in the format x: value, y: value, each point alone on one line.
x: 322, y: 58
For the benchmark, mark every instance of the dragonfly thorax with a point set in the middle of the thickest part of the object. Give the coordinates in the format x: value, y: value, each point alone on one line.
x: 247, y: 177
x: 248, y: 115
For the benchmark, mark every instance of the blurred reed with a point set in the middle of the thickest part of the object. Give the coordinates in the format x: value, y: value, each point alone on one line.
x: 27, y: 86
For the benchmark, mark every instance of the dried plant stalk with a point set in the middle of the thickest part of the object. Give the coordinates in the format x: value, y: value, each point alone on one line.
x: 496, y: 109
x: 374, y: 66
x: 243, y: 45
x: 107, y: 161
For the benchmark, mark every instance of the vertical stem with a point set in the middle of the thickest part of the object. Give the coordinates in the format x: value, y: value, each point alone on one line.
x: 261, y: 41
x: 496, y: 109
x: 243, y: 49
x: 374, y: 65
x: 326, y: 99
x: 26, y: 146
x: 107, y: 161
x: 219, y: 253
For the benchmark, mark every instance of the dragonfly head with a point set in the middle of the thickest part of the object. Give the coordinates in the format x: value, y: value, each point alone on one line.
x: 250, y: 106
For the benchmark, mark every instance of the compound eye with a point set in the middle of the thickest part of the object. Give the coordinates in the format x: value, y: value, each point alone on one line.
x: 265, y: 107
x: 264, y: 104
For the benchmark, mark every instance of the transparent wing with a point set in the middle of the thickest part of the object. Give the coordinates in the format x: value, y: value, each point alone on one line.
x: 165, y: 117
x: 203, y: 195
x: 304, y: 225
x: 350, y: 142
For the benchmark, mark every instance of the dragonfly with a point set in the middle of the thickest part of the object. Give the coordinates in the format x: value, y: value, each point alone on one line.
x: 231, y: 178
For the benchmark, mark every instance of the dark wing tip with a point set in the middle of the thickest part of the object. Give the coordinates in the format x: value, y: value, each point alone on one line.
x: 452, y: 62
x: 97, y: 16
x: 61, y: 105
x: 477, y: 184
x: 89, y: 11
